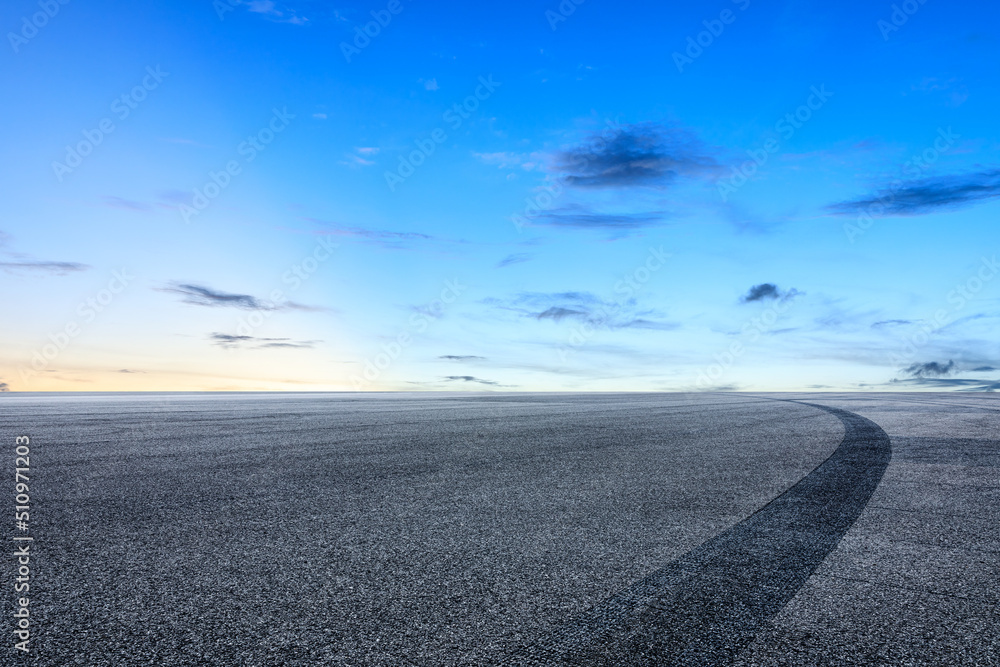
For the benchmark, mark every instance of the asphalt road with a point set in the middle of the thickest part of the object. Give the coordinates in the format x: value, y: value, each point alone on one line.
x: 489, y: 529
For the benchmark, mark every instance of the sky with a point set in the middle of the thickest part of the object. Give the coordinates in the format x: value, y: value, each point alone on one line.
x: 733, y: 195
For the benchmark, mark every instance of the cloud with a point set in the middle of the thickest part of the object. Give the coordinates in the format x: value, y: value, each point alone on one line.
x: 126, y: 370
x: 720, y: 387
x: 461, y: 357
x: 925, y: 196
x: 361, y: 157
x: 230, y: 341
x: 261, y: 6
x: 956, y: 91
x: 582, y: 307
x: 558, y: 313
x: 890, y: 323
x: 648, y: 324
x: 57, y: 268
x: 4, y: 387
x: 958, y: 384
x: 768, y: 292
x: 381, y: 238
x: 510, y: 160
x: 578, y: 217
x: 175, y: 196
x: 646, y: 154
x: 299, y: 344
x: 514, y: 259
x: 320, y: 116
x: 269, y: 9
x: 23, y: 263
x: 983, y: 369
x: 469, y: 378
x: 126, y: 204
x: 430, y: 84
x: 930, y: 368
x: 199, y: 295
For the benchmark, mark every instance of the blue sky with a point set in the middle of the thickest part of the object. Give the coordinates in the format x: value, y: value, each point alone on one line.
x: 519, y: 196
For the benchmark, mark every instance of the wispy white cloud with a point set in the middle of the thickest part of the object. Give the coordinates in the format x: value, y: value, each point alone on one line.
x: 273, y: 12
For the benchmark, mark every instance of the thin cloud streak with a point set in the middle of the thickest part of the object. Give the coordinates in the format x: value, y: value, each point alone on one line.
x: 925, y: 196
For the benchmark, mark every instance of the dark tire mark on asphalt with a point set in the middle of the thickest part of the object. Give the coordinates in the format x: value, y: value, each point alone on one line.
x: 707, y: 605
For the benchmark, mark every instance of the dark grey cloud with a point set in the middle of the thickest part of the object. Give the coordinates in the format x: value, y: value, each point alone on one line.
x: 762, y: 292
x: 582, y: 307
x: 21, y: 262
x: 577, y: 217
x: 514, y: 259
x: 128, y: 370
x: 983, y: 369
x: 470, y: 378
x: 4, y: 387
x: 890, y: 323
x: 230, y: 341
x: 38, y: 266
x: 768, y: 292
x: 645, y: 154
x: 925, y: 196
x: 461, y: 357
x: 559, y: 313
x: 931, y: 368
x: 200, y: 295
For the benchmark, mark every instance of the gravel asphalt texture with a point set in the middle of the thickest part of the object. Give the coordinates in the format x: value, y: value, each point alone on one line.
x: 487, y: 529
